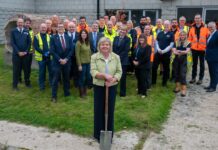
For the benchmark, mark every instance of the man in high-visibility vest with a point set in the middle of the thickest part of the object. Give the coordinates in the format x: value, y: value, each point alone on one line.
x: 182, y: 26
x: 42, y: 55
x: 109, y: 32
x: 83, y: 25
x: 151, y: 42
x: 27, y: 26
x: 198, y: 35
x: 140, y: 28
x: 158, y: 28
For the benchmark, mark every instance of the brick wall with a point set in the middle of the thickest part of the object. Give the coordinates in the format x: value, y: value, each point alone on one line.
x: 10, y: 8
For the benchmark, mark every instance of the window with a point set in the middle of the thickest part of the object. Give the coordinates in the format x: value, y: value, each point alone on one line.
x: 136, y: 14
x: 189, y: 13
x: 211, y: 15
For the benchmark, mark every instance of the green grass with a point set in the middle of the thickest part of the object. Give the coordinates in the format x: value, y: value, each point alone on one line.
x: 75, y: 115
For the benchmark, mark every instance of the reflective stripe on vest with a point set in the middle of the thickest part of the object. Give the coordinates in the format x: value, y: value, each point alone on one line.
x: 150, y: 41
x: 198, y: 44
x: 32, y: 37
x: 38, y: 56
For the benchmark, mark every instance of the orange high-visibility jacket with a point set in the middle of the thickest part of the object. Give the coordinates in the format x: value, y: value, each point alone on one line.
x: 151, y: 41
x: 86, y: 27
x: 199, y: 45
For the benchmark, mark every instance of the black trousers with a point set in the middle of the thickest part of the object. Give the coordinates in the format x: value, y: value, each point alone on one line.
x: 99, y: 108
x: 165, y: 60
x: 30, y: 63
x: 195, y: 56
x: 30, y: 58
x: 180, y: 69
x: 213, y: 71
x: 123, y: 81
x: 142, y: 76
x: 19, y: 63
x: 63, y: 70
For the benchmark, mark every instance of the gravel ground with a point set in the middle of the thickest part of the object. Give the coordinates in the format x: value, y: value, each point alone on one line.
x: 192, y: 123
x: 18, y: 136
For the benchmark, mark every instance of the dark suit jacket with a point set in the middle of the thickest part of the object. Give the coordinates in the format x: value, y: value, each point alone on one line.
x: 73, y: 41
x: 122, y: 49
x: 93, y: 48
x: 20, y: 42
x: 57, y: 50
x: 212, y: 48
x: 143, y: 56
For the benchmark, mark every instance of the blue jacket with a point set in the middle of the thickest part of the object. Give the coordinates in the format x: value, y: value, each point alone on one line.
x: 122, y: 49
x: 20, y: 42
x: 58, y: 52
x: 212, y: 48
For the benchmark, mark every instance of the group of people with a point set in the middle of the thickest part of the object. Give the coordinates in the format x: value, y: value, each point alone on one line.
x: 100, y: 56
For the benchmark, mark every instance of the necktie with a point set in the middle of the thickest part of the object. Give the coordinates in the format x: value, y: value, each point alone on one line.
x: 63, y: 43
x: 95, y: 39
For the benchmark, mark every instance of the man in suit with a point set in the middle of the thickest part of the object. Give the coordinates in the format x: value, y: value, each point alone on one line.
x: 20, y: 42
x: 61, y: 50
x: 212, y: 57
x: 74, y: 37
x: 121, y: 47
x: 94, y: 37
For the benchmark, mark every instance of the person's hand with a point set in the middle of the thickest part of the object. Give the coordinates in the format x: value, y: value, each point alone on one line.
x: 183, y: 52
x: 111, y: 82
x: 136, y: 63
x: 176, y: 52
x: 108, y: 77
x: 80, y: 68
x: 62, y: 62
x: 159, y: 51
x: 21, y: 54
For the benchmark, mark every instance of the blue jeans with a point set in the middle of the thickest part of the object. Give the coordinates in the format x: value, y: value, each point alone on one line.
x: 85, y: 76
x: 42, y: 72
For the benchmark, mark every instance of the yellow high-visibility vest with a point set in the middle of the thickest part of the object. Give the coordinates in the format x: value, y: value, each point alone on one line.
x: 38, y: 56
x: 32, y: 37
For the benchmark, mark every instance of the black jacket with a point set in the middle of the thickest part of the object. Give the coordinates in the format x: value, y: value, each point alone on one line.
x: 122, y: 49
x: 20, y: 42
x: 57, y: 50
x: 93, y: 48
x: 143, y: 56
x: 212, y: 48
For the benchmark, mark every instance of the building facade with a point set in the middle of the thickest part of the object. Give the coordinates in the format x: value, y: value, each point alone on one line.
x: 165, y: 9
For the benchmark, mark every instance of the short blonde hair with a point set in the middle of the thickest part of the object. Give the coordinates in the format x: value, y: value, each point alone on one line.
x: 102, y: 40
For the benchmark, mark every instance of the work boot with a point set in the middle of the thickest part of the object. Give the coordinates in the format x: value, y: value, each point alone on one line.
x: 192, y: 81
x: 177, y: 89
x: 199, y: 82
x: 183, y: 91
